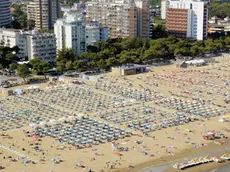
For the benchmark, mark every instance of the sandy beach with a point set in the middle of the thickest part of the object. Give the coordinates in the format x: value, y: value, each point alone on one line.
x: 167, y: 111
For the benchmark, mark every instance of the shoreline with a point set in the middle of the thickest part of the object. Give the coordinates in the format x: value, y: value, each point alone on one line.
x: 165, y: 165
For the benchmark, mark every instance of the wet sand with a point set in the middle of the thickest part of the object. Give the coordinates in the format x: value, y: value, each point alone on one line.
x: 165, y: 165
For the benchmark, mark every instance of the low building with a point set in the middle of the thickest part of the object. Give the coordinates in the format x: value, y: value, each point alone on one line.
x: 8, y: 37
x: 219, y: 21
x: 31, y: 44
x: 129, y: 69
x: 95, y: 32
x: 41, y: 45
x: 212, y: 28
x: 219, y: 25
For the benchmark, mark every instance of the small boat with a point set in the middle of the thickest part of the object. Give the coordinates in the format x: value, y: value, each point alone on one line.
x: 177, y: 166
x: 225, y: 157
x: 216, y: 159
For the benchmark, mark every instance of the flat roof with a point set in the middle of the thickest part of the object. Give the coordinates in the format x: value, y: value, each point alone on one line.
x: 131, y: 66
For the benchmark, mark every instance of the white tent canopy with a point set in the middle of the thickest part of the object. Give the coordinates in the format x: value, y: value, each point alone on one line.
x: 196, y: 62
x: 33, y: 87
x: 33, y: 125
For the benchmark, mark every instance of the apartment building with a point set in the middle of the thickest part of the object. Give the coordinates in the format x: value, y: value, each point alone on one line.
x: 188, y: 18
x: 8, y: 37
x: 123, y: 17
x: 120, y: 16
x: 46, y: 13
x: 4, y: 12
x: 70, y: 31
x: 164, y: 6
x: 30, y: 9
x: 42, y: 46
x: 95, y: 32
x: 31, y: 44
x: 143, y: 18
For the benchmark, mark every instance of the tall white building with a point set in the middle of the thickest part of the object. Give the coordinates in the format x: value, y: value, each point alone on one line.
x: 31, y: 44
x: 188, y: 18
x: 95, y: 32
x: 70, y: 32
x: 4, y: 12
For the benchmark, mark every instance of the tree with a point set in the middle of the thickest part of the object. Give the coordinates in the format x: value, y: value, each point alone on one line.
x: 127, y: 57
x: 69, y: 65
x: 210, y: 46
x: 31, y: 24
x: 106, y: 53
x: 13, y: 66
x: 92, y: 65
x: 23, y: 71
x: 92, y: 49
x: 79, y: 65
x: 102, y: 45
x: 220, y: 44
x: 159, y: 31
x: 220, y: 10
x: 227, y: 42
x: 101, y: 64
x: 112, y: 61
x: 152, y: 54
x: 15, y: 24
x: 39, y: 66
x: 1, y: 66
x: 64, y: 56
x: 194, y: 50
x: 20, y: 18
x: 23, y: 20
x: 10, y: 56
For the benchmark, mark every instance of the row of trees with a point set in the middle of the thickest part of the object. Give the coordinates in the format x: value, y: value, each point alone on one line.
x: 220, y: 9
x: 117, y: 52
x: 35, y: 66
x: 135, y: 50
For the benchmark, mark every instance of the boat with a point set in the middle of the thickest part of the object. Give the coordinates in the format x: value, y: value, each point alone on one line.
x: 225, y: 157
x: 216, y: 159
x: 177, y: 166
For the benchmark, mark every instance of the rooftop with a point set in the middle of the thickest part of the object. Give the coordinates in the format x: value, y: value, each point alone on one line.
x: 131, y: 66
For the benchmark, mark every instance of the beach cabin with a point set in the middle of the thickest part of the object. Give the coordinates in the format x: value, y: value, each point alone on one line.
x: 129, y: 69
